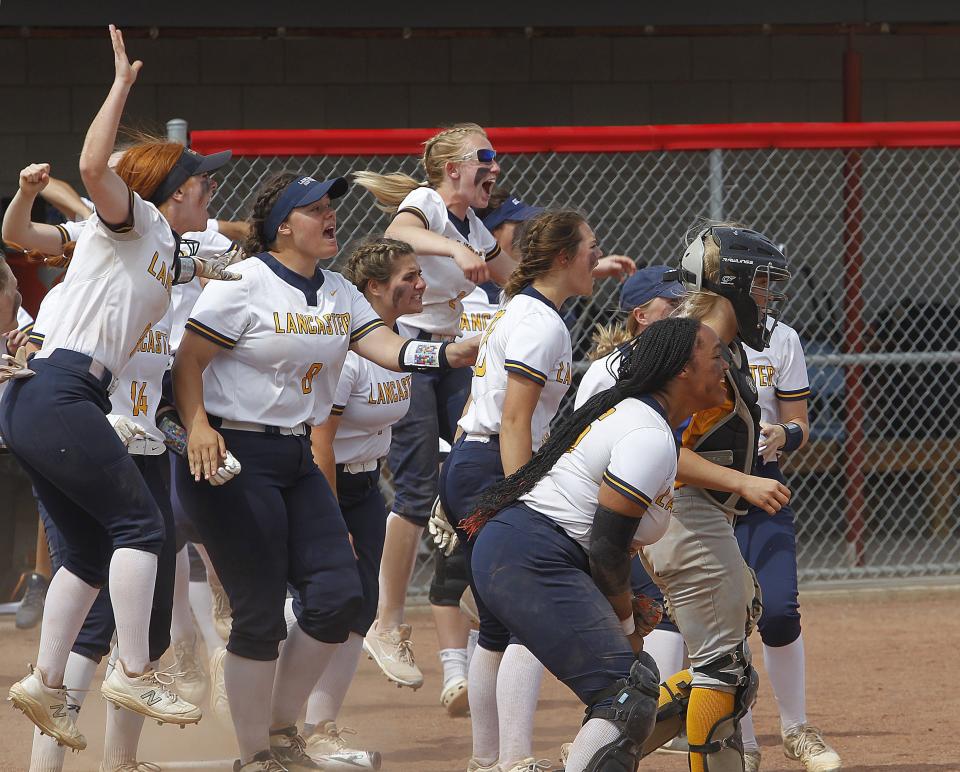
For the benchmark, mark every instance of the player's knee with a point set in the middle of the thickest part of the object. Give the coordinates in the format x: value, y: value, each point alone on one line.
x: 449, y: 579
x: 332, y: 619
x: 779, y: 629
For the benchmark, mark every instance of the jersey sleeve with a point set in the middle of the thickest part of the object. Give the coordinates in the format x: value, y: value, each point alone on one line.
x: 488, y: 242
x: 533, y: 350
x: 363, y: 319
x: 349, y: 374
x: 212, y: 242
x: 426, y: 204
x: 70, y: 231
x: 221, y: 313
x: 143, y: 217
x: 642, y: 482
x: 792, y: 383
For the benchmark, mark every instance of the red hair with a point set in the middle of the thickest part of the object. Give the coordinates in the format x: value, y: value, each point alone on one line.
x: 145, y: 165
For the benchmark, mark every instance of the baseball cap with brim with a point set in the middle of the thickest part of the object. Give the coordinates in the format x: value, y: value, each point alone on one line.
x: 189, y: 164
x: 647, y: 284
x: 511, y: 210
x: 300, y: 192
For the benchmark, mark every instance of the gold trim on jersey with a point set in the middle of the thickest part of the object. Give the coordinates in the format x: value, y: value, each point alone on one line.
x: 210, y: 334
x: 495, y: 252
x: 794, y: 395
x: 626, y: 489
x: 366, y: 329
x: 416, y: 212
x: 519, y: 368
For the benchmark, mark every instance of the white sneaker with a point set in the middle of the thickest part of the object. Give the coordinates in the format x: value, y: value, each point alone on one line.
x: 190, y: 677
x: 218, y: 690
x: 751, y: 761
x: 48, y: 708
x: 531, y: 765
x: 149, y: 694
x: 393, y: 653
x: 132, y: 766
x: 327, y: 747
x: 261, y: 762
x: 805, y: 744
x: 454, y: 697
x: 475, y: 766
x: 221, y: 611
x: 565, y: 753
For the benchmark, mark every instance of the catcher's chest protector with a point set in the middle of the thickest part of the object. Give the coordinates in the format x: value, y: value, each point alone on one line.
x: 732, y: 441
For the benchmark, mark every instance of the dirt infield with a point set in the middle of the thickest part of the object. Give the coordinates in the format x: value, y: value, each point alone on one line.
x: 878, y: 685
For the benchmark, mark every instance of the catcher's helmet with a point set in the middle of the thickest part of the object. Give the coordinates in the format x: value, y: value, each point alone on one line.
x: 752, y: 273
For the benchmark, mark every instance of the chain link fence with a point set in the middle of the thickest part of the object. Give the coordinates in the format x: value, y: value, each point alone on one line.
x: 872, y: 237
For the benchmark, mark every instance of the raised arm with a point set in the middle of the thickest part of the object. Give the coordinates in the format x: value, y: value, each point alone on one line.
x: 406, y: 226
x: 17, y: 227
x: 108, y: 192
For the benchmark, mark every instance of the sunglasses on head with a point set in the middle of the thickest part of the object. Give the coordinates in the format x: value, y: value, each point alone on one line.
x: 483, y: 154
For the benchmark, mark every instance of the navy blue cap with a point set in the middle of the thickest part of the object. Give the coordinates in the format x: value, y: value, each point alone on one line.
x: 647, y: 284
x: 189, y: 164
x: 299, y: 192
x: 511, y: 210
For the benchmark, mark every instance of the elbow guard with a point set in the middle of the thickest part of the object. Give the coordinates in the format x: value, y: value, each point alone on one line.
x: 423, y: 356
x: 610, y: 539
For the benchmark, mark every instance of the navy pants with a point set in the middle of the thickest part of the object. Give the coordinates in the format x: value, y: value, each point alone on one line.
x: 769, y: 547
x: 93, y: 642
x: 276, y: 523
x: 436, y: 403
x: 537, y: 582
x: 469, y: 470
x: 365, y: 513
x: 54, y: 423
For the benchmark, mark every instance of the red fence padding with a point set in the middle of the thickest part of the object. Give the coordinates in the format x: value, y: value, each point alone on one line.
x: 586, y: 139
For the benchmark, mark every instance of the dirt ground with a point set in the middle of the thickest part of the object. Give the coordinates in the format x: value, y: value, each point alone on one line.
x: 878, y: 665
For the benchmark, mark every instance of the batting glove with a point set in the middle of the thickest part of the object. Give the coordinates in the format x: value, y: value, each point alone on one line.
x: 126, y: 429
x: 15, y: 366
x: 229, y: 470
x: 444, y: 536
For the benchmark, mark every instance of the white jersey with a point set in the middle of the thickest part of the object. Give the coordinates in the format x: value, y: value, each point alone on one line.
x: 138, y: 384
x: 71, y: 230
x: 527, y: 338
x: 286, y: 338
x: 633, y: 450
x: 598, y: 377
x: 478, y: 309
x: 446, y: 284
x: 369, y: 400
x: 779, y: 371
x: 184, y: 296
x: 117, y: 287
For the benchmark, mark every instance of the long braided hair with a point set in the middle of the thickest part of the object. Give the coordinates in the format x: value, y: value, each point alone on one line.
x: 654, y: 358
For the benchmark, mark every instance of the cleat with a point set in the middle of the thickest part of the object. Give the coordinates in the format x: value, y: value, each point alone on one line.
x: 218, y: 691
x: 289, y: 748
x: 531, y: 765
x: 805, y: 744
x: 149, y: 695
x: 191, y: 678
x: 475, y: 765
x: 222, y: 614
x: 393, y: 653
x: 261, y: 762
x: 132, y: 766
x: 751, y: 761
x: 327, y: 747
x: 454, y: 697
x: 48, y: 708
x: 30, y: 610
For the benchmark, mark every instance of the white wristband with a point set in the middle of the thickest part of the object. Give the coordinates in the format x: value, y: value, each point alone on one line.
x: 629, y: 625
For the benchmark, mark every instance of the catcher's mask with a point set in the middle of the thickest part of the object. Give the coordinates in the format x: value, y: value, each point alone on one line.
x: 753, y: 271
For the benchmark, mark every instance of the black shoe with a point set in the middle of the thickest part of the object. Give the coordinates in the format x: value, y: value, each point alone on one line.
x: 30, y: 610
x: 289, y: 749
x: 261, y: 762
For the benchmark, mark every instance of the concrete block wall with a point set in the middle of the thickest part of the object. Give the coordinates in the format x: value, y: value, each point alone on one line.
x: 51, y: 88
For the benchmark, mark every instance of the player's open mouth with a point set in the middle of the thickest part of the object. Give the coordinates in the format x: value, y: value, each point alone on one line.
x: 330, y: 233
x: 487, y: 185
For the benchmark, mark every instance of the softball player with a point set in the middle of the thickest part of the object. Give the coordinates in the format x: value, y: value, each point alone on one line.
x: 523, y: 370
x: 261, y: 359
x: 9, y: 298
x: 124, y: 264
x: 563, y: 527
x: 697, y: 564
x: 769, y: 545
x: 348, y: 448
x: 456, y: 252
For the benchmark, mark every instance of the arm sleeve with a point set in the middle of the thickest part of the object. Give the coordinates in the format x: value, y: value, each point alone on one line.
x: 426, y: 204
x: 143, y: 217
x: 532, y: 351
x: 792, y: 383
x: 345, y: 385
x: 642, y: 482
x: 363, y: 319
x: 221, y: 314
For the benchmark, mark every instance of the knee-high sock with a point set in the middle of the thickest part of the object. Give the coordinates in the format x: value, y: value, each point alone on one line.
x: 303, y: 660
x: 592, y: 736
x: 748, y: 733
x: 396, y: 567
x: 201, y: 602
x: 328, y: 694
x: 667, y: 649
x: 133, y: 576
x: 518, y: 691
x: 122, y: 736
x: 706, y: 708
x: 181, y: 625
x: 68, y: 601
x: 47, y: 755
x: 482, y: 692
x: 785, y: 669
x: 246, y: 682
